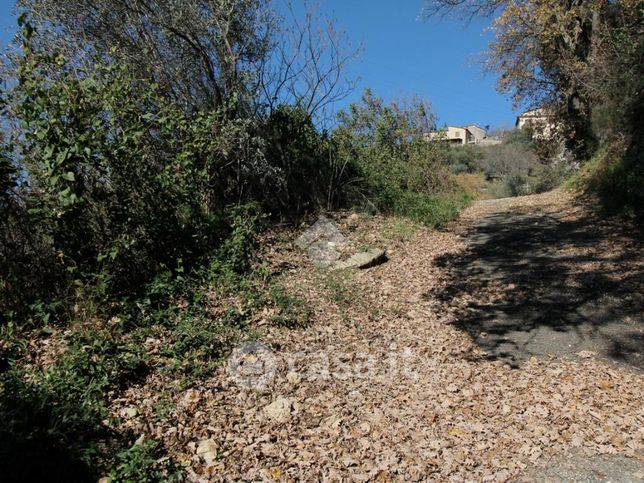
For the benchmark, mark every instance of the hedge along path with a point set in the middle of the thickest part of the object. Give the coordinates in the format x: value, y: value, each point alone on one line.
x: 384, y: 384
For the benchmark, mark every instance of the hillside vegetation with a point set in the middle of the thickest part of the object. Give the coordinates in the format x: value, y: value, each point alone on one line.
x: 150, y: 149
x: 137, y: 172
x: 583, y: 63
x: 522, y: 164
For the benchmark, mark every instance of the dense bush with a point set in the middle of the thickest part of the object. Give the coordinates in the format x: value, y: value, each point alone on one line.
x: 615, y: 79
x: 312, y: 177
x: 616, y: 176
x: 127, y: 216
x: 115, y: 177
x: 465, y: 159
x: 401, y: 172
x: 120, y: 184
x: 140, y: 463
x: 54, y: 415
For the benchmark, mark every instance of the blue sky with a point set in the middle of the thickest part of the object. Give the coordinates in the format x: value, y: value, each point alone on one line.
x: 7, y: 21
x: 436, y: 60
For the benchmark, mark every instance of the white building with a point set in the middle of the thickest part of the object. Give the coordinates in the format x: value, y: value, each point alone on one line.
x: 470, y: 134
x: 539, y: 120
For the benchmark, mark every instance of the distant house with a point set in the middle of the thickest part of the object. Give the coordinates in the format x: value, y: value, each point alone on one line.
x: 476, y: 133
x: 470, y: 134
x: 451, y: 134
x: 539, y: 120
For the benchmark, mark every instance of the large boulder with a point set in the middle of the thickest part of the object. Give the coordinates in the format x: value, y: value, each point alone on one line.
x: 323, y: 242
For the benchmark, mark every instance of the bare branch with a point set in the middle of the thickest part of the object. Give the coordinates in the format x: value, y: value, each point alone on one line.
x: 309, y: 65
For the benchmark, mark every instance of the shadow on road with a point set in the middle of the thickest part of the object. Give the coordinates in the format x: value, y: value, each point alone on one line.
x: 549, y: 286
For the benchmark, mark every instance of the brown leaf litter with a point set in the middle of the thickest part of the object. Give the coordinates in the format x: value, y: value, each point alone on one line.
x: 382, y: 386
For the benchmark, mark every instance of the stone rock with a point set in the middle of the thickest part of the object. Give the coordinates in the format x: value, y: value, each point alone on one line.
x: 324, y: 254
x: 207, y: 449
x: 129, y: 412
x: 323, y: 241
x: 353, y: 221
x: 371, y: 258
x: 322, y: 229
x: 279, y: 410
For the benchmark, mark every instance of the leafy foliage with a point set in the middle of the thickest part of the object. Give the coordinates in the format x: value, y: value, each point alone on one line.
x: 516, y: 167
x: 402, y: 173
x: 310, y: 173
x: 139, y: 463
x: 131, y: 207
x: 201, y: 54
x: 616, y: 175
x: 61, y: 407
x: 583, y: 62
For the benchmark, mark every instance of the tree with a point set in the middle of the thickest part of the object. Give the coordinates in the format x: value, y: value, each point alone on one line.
x: 307, y: 65
x: 388, y: 142
x: 8, y: 174
x: 202, y: 53
x: 544, y: 50
x: 236, y: 56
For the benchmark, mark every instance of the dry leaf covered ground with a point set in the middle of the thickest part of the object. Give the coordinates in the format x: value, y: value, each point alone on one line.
x: 391, y: 379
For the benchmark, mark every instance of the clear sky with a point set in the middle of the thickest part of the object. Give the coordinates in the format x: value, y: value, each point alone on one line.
x: 437, y: 59
x: 402, y: 55
x: 7, y: 21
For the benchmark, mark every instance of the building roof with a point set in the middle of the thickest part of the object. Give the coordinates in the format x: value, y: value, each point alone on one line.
x: 462, y: 127
x: 539, y: 112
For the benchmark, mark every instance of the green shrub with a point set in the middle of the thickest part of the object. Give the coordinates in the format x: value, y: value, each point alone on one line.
x: 310, y: 176
x: 521, y: 137
x: 123, y: 185
x: 141, y: 464
x: 236, y: 250
x: 517, y: 184
x: 616, y: 176
x: 505, y: 161
x: 199, y: 343
x: 465, y: 159
x: 520, y: 165
x: 61, y: 408
x: 293, y: 311
x: 431, y: 210
x: 551, y: 175
x: 8, y: 174
x: 401, y: 172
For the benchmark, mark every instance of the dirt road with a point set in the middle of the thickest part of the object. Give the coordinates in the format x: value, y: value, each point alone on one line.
x: 507, y: 347
x: 571, y: 283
